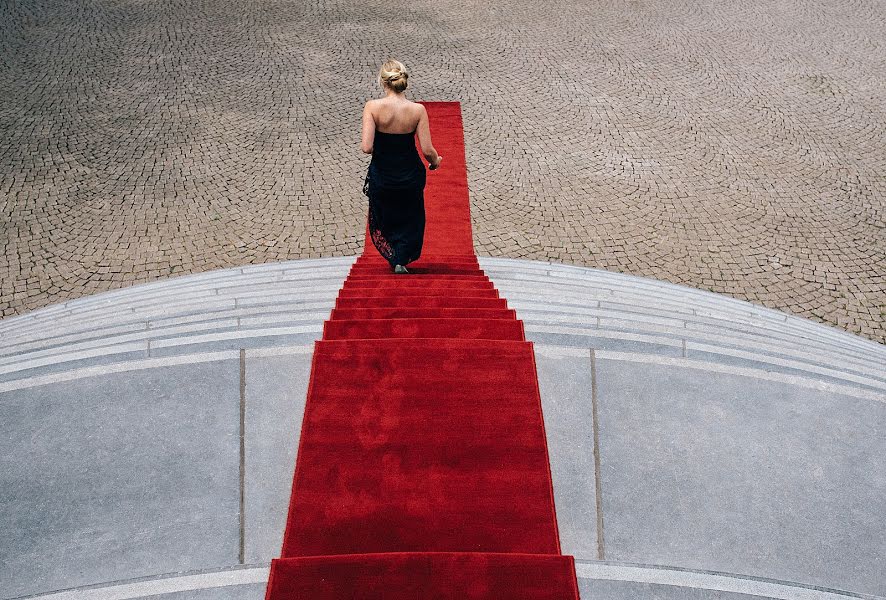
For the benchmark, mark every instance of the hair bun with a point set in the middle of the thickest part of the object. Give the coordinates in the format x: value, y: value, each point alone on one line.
x: 393, y: 75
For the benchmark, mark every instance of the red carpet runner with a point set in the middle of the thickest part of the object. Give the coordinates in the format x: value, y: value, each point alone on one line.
x: 422, y: 470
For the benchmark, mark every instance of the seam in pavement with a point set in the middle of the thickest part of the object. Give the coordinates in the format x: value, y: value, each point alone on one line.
x: 598, y: 488
x: 242, y: 553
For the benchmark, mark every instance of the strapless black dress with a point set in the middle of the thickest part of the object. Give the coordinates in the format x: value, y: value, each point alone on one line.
x: 395, y: 185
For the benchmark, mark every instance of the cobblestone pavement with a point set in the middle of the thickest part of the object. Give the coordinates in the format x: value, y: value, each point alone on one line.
x: 733, y: 146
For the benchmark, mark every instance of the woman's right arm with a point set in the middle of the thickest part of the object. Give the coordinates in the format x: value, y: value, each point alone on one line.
x: 424, y: 139
x: 368, y: 133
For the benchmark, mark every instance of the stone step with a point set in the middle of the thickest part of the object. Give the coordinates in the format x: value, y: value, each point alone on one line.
x: 626, y: 581
x: 684, y: 330
x: 550, y: 295
x: 762, y: 333
x: 412, y: 575
x: 418, y: 302
x: 176, y: 286
x: 158, y: 311
x: 458, y: 328
x: 410, y: 283
x: 422, y: 313
x: 147, y: 340
x: 502, y: 270
x: 178, y: 331
x: 418, y: 277
x: 560, y: 305
x: 146, y: 298
x: 420, y: 292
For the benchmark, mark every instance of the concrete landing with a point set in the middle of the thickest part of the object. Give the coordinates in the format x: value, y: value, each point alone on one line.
x: 701, y: 447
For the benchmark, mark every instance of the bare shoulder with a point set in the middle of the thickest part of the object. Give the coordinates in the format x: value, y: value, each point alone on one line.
x: 419, y: 113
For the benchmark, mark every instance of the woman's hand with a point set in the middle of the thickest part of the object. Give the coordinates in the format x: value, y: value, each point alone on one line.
x: 435, y: 166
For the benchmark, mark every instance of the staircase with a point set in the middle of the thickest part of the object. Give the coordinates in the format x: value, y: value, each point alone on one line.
x: 422, y: 467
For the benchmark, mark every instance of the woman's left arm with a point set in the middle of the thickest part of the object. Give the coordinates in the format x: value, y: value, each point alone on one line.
x: 368, y: 130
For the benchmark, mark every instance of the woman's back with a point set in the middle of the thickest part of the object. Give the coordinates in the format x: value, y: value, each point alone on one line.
x: 395, y: 116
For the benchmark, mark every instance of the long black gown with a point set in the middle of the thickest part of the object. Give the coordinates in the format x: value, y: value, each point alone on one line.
x: 395, y: 185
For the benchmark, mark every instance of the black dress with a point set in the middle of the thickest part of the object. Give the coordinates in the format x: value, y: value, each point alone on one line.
x: 395, y: 185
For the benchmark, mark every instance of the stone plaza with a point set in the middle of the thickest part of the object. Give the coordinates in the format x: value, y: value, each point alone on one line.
x: 734, y: 147
x: 681, y: 202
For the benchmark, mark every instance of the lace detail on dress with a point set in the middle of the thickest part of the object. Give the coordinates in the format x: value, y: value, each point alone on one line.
x: 378, y: 240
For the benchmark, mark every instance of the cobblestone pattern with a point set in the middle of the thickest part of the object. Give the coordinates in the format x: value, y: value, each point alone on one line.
x: 733, y: 146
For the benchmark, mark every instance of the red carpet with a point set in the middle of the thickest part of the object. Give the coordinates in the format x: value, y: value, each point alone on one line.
x: 422, y: 468
x: 436, y: 302
x: 420, y: 313
x: 438, y: 576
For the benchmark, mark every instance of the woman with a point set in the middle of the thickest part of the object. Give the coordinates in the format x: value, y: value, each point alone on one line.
x: 395, y: 180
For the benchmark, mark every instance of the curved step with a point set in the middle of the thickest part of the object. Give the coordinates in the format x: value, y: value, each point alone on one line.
x: 435, y: 269
x: 588, y: 308
x: 422, y: 313
x: 596, y: 580
x: 459, y: 328
x: 419, y: 292
x: 561, y: 305
x: 438, y: 575
x: 273, y: 304
x: 418, y: 302
x: 419, y: 277
x: 416, y: 283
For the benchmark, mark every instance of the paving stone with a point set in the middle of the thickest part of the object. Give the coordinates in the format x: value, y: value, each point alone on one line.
x: 106, y: 466
x: 252, y: 591
x: 629, y: 590
x: 565, y: 387
x: 727, y: 473
x: 275, y: 386
x: 735, y: 147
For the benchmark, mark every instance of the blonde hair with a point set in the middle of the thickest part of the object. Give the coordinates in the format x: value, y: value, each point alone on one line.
x: 393, y: 74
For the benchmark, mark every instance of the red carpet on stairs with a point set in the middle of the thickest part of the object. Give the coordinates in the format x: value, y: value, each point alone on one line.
x: 422, y: 467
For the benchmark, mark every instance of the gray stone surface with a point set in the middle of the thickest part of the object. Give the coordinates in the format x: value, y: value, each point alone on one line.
x: 604, y: 340
x: 119, y: 476
x: 276, y: 390
x: 603, y: 589
x: 565, y: 387
x: 12, y: 348
x: 252, y: 591
x: 700, y: 469
x: 728, y: 473
x: 819, y: 370
x: 241, y: 339
x: 66, y: 363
